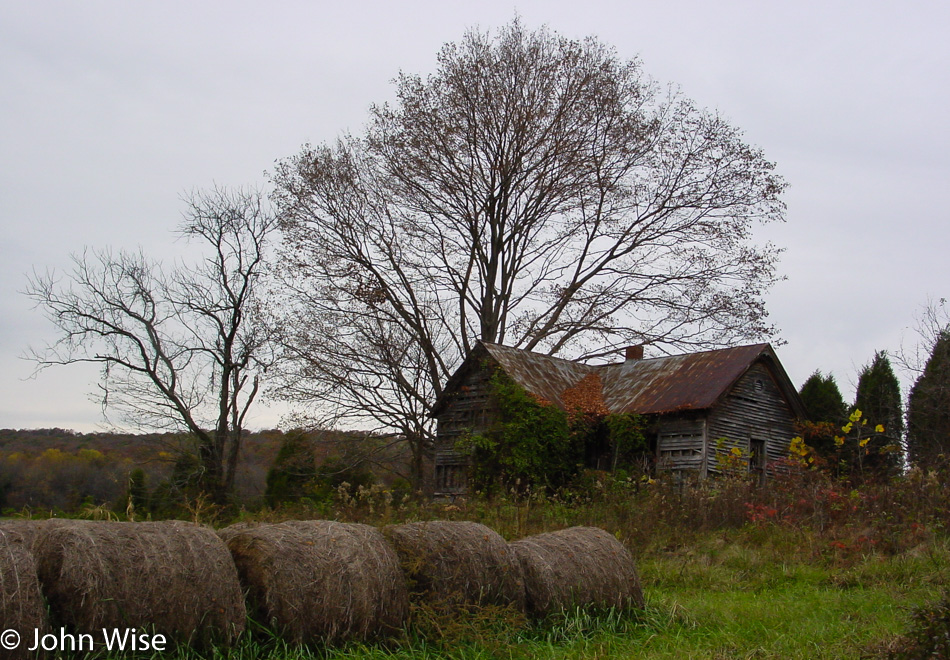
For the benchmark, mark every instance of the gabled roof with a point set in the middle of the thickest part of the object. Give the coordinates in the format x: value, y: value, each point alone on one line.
x: 692, y: 381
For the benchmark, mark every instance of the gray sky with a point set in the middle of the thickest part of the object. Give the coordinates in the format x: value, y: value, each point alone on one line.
x: 111, y: 110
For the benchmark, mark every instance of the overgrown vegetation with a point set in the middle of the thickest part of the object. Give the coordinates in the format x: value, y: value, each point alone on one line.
x: 539, y: 446
x: 533, y: 443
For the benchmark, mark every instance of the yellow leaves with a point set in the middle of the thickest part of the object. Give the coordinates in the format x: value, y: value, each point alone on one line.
x: 735, y: 451
x: 798, y: 447
x: 54, y: 455
x: 91, y: 455
x: 805, y: 454
x: 861, y: 435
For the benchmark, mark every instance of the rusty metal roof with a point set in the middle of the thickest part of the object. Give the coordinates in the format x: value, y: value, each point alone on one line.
x: 692, y: 381
x: 544, y: 376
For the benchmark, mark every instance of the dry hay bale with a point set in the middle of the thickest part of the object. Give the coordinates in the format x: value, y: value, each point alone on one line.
x: 580, y: 566
x: 225, y: 533
x: 317, y: 580
x: 21, y: 603
x: 458, y: 563
x: 29, y: 528
x: 173, y: 577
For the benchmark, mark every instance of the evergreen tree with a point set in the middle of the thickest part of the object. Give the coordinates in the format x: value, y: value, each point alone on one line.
x: 878, y: 398
x: 823, y: 400
x: 826, y: 411
x: 928, y: 408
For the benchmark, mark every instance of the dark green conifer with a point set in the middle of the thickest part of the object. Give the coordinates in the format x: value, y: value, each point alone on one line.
x: 823, y: 400
x: 878, y: 397
x: 928, y: 409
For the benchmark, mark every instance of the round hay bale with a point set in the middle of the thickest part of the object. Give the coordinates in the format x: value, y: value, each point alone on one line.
x: 580, y: 566
x: 28, y: 528
x: 21, y: 603
x: 458, y: 563
x: 172, y: 577
x: 317, y: 580
x: 225, y: 533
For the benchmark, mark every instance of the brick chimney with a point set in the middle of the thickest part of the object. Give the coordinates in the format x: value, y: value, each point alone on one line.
x: 634, y: 352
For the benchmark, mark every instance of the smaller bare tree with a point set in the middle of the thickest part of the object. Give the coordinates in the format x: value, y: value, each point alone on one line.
x: 930, y: 323
x: 181, y: 350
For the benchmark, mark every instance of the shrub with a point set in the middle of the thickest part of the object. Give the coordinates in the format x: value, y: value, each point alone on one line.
x: 929, y: 634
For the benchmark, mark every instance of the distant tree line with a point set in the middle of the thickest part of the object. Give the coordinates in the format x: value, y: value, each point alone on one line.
x: 60, y: 471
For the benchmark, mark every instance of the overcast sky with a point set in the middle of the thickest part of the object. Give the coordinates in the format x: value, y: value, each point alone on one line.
x: 112, y: 110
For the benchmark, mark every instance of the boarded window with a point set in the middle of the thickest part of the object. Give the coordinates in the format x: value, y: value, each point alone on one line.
x: 450, y: 478
x: 679, y: 450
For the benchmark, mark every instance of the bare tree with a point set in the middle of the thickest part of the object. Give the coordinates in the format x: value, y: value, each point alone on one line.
x: 535, y: 191
x: 182, y: 350
x: 931, y: 323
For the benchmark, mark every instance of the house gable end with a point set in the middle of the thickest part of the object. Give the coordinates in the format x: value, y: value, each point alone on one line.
x: 754, y: 417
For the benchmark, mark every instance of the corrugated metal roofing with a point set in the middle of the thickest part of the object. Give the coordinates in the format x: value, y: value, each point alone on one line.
x: 693, y: 381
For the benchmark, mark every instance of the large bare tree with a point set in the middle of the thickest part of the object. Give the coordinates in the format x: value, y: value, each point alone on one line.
x: 180, y: 350
x: 535, y: 191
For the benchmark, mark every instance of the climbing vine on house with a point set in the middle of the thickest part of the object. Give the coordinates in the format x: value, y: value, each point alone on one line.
x: 535, y: 443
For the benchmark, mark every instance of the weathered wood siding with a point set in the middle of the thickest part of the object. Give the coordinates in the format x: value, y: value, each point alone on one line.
x: 681, y: 443
x: 753, y: 413
x: 469, y: 411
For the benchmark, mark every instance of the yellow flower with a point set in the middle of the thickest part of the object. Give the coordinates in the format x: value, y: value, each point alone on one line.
x: 879, y: 428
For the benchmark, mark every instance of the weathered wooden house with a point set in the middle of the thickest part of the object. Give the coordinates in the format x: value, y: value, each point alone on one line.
x: 695, y: 404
